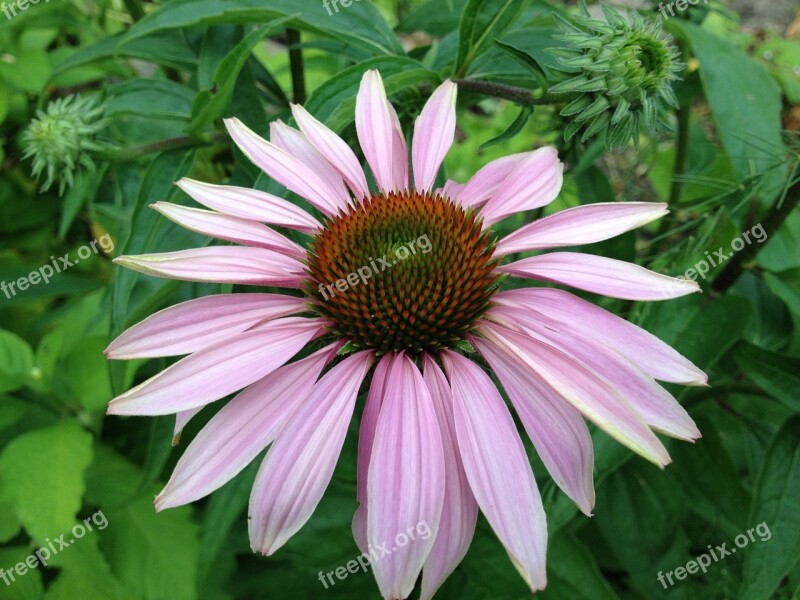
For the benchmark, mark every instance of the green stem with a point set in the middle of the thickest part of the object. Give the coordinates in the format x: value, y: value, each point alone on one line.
x: 296, y: 65
x: 507, y: 92
x: 185, y: 141
x: 681, y: 153
x: 779, y: 212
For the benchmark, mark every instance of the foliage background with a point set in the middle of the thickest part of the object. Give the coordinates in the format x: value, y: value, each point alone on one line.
x: 171, y: 70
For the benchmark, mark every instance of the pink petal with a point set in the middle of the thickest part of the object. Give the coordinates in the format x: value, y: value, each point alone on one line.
x: 241, y: 430
x: 534, y: 182
x: 232, y: 229
x: 380, y: 135
x: 196, y: 324
x: 657, y: 407
x: 434, y: 131
x: 460, y: 510
x: 497, y: 468
x: 221, y: 264
x: 490, y: 178
x: 366, y: 438
x: 642, y: 348
x: 182, y: 418
x: 285, y: 168
x: 452, y: 190
x: 581, y: 225
x: 295, y: 143
x: 557, y: 430
x: 250, y: 204
x: 406, y: 480
x: 299, y: 466
x: 601, y: 275
x: 334, y: 149
x: 582, y: 388
x: 215, y: 372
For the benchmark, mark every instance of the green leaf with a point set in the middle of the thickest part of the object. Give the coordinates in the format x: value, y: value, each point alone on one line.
x: 334, y: 101
x: 775, y: 373
x: 481, y: 22
x: 513, y: 129
x: 22, y: 587
x: 767, y: 562
x: 16, y: 361
x: 154, y: 98
x: 436, y: 17
x: 153, y: 554
x: 361, y: 25
x: 163, y: 48
x: 746, y: 105
x: 43, y: 471
x: 209, y: 105
x: 573, y: 572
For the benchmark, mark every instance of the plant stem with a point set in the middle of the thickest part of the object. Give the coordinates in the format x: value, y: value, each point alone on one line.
x: 681, y: 153
x: 296, y: 65
x: 184, y: 141
x: 771, y: 223
x: 515, y: 94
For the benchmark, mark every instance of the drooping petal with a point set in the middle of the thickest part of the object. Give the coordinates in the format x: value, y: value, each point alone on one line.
x: 581, y: 225
x: 434, y: 131
x: 221, y: 264
x: 250, y: 204
x: 229, y: 228
x: 196, y: 324
x: 587, y: 392
x: 285, y: 168
x: 490, y: 178
x: 460, y: 510
x: 380, y: 135
x: 497, y: 468
x: 241, y: 430
x: 299, y: 465
x: 557, y: 430
x: 295, y: 143
x: 601, y: 275
x: 658, y: 408
x: 642, y: 348
x: 406, y: 479
x: 182, y: 418
x: 334, y: 149
x: 534, y: 182
x: 366, y: 438
x: 215, y: 372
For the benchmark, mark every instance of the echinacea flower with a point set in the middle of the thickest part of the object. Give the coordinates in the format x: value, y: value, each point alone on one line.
x: 437, y: 442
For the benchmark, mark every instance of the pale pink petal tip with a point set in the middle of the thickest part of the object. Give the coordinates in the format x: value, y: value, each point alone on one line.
x: 434, y: 131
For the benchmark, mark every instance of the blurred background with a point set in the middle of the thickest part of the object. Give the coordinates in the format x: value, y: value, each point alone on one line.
x: 104, y: 104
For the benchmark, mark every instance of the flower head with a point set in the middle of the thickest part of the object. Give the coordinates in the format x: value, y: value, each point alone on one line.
x: 60, y: 139
x: 618, y: 74
x: 402, y: 282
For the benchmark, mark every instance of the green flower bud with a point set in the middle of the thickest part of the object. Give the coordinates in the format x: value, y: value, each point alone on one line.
x: 617, y: 75
x: 60, y: 139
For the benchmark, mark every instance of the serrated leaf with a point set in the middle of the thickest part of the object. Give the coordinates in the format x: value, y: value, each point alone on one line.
x: 43, y: 473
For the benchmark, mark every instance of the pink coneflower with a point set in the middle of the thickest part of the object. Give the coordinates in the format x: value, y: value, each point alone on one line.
x: 437, y: 442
